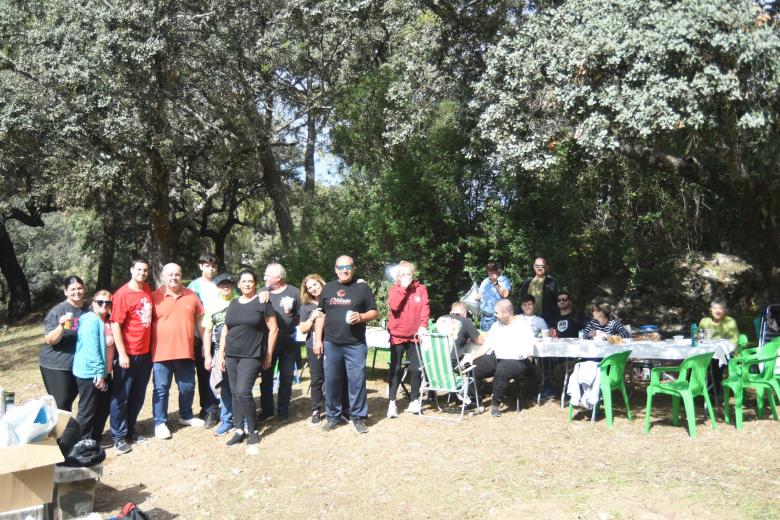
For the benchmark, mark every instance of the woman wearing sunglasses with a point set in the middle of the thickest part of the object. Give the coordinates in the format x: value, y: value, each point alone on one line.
x: 91, y: 366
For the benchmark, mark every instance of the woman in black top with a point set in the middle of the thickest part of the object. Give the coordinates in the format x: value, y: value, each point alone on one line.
x: 56, y: 359
x: 247, y: 323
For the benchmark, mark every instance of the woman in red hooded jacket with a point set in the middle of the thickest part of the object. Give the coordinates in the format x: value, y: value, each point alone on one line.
x: 409, y: 313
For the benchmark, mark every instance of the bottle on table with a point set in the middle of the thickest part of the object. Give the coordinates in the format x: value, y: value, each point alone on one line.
x: 694, y: 335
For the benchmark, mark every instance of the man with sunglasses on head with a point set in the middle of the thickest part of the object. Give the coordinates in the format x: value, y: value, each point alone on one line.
x: 544, y: 288
x: 347, y: 305
x: 131, y: 322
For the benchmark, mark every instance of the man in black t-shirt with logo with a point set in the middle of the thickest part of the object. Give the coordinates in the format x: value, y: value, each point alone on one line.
x: 348, y: 305
x: 567, y: 324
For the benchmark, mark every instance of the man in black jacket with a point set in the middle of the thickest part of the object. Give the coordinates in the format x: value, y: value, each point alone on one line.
x: 544, y: 289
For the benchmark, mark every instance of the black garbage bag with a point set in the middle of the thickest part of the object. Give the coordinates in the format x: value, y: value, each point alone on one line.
x: 84, y: 453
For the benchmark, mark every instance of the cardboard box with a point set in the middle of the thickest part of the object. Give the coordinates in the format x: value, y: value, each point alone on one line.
x: 27, y: 470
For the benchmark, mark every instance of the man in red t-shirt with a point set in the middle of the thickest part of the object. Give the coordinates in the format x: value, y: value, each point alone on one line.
x: 131, y: 325
x: 177, y: 311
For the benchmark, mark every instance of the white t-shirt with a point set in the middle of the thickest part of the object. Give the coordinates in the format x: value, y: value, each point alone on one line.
x: 535, y: 322
x: 512, y: 341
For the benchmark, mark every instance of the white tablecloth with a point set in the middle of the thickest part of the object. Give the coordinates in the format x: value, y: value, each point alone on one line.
x: 668, y: 349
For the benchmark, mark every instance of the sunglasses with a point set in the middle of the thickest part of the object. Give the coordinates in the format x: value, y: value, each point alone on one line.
x: 539, y: 266
x: 344, y: 267
x: 562, y: 300
x: 103, y: 303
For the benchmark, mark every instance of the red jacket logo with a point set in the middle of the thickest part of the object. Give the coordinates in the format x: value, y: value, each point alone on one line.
x: 341, y: 293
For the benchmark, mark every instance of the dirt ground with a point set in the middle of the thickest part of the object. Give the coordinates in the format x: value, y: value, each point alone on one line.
x: 534, y: 464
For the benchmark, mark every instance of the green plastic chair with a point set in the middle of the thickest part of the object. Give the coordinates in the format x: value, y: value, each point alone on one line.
x: 692, y: 382
x: 438, y: 372
x: 740, y: 378
x: 612, y: 377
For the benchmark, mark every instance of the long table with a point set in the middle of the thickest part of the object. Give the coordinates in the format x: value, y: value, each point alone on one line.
x: 667, y: 350
x: 656, y: 350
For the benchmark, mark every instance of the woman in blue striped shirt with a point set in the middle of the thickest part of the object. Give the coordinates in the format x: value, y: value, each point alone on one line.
x: 603, y: 324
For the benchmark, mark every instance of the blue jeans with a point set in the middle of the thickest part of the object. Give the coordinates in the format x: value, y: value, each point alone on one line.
x: 487, y: 321
x: 164, y: 371
x: 128, y: 392
x: 353, y: 357
x: 286, y: 354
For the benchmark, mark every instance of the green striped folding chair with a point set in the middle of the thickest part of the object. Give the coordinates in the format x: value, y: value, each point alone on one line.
x: 438, y: 373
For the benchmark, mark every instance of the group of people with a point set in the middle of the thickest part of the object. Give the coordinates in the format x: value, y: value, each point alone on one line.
x: 105, y: 352
x: 225, y: 333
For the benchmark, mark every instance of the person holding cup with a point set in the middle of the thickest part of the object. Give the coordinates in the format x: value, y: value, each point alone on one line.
x: 60, y: 331
x: 409, y: 314
x: 341, y: 335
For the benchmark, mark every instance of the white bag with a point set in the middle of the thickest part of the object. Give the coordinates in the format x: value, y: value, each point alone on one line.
x: 29, y: 422
x: 471, y: 299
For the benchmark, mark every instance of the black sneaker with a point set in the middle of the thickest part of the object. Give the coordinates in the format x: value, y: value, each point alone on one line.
x: 315, y: 417
x: 252, y: 440
x: 135, y: 438
x: 237, y: 438
x: 546, y: 395
x: 495, y: 411
x: 212, y: 420
x: 360, y: 426
x: 329, y: 425
x: 264, y: 416
x: 122, y: 446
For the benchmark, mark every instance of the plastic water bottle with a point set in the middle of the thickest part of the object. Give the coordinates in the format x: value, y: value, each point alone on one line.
x: 694, y: 335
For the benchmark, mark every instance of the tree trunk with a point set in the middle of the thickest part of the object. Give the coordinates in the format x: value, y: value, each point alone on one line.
x: 108, y: 242
x: 308, y: 185
x: 275, y: 187
x: 161, y: 244
x: 19, y: 302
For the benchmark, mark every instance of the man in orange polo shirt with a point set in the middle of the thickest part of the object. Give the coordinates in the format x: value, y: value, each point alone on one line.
x: 177, y: 311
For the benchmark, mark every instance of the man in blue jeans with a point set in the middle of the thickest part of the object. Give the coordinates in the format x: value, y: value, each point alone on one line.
x: 348, y: 305
x: 131, y: 326
x: 177, y: 311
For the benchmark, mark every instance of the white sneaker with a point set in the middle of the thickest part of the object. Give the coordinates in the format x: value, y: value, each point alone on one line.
x: 414, y: 406
x: 392, y: 410
x: 161, y: 431
x: 195, y: 422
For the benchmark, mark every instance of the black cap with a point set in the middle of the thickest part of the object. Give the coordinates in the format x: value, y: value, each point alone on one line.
x: 223, y: 277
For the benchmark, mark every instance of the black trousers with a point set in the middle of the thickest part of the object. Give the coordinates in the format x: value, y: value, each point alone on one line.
x: 62, y: 385
x: 93, y: 409
x: 507, y: 370
x: 242, y: 374
x: 484, y: 366
x: 396, y: 355
x: 317, y: 374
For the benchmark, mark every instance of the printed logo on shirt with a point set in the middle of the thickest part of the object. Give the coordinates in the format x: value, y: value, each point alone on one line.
x: 340, y: 301
x: 145, y: 312
x: 287, y: 304
x: 417, y: 298
x: 563, y: 325
x: 341, y: 293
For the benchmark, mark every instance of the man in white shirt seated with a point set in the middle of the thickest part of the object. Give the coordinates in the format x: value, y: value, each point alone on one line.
x: 537, y: 323
x: 506, y: 351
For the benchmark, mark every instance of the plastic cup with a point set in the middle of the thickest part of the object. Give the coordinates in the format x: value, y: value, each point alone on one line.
x: 348, y: 316
x: 68, y: 322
